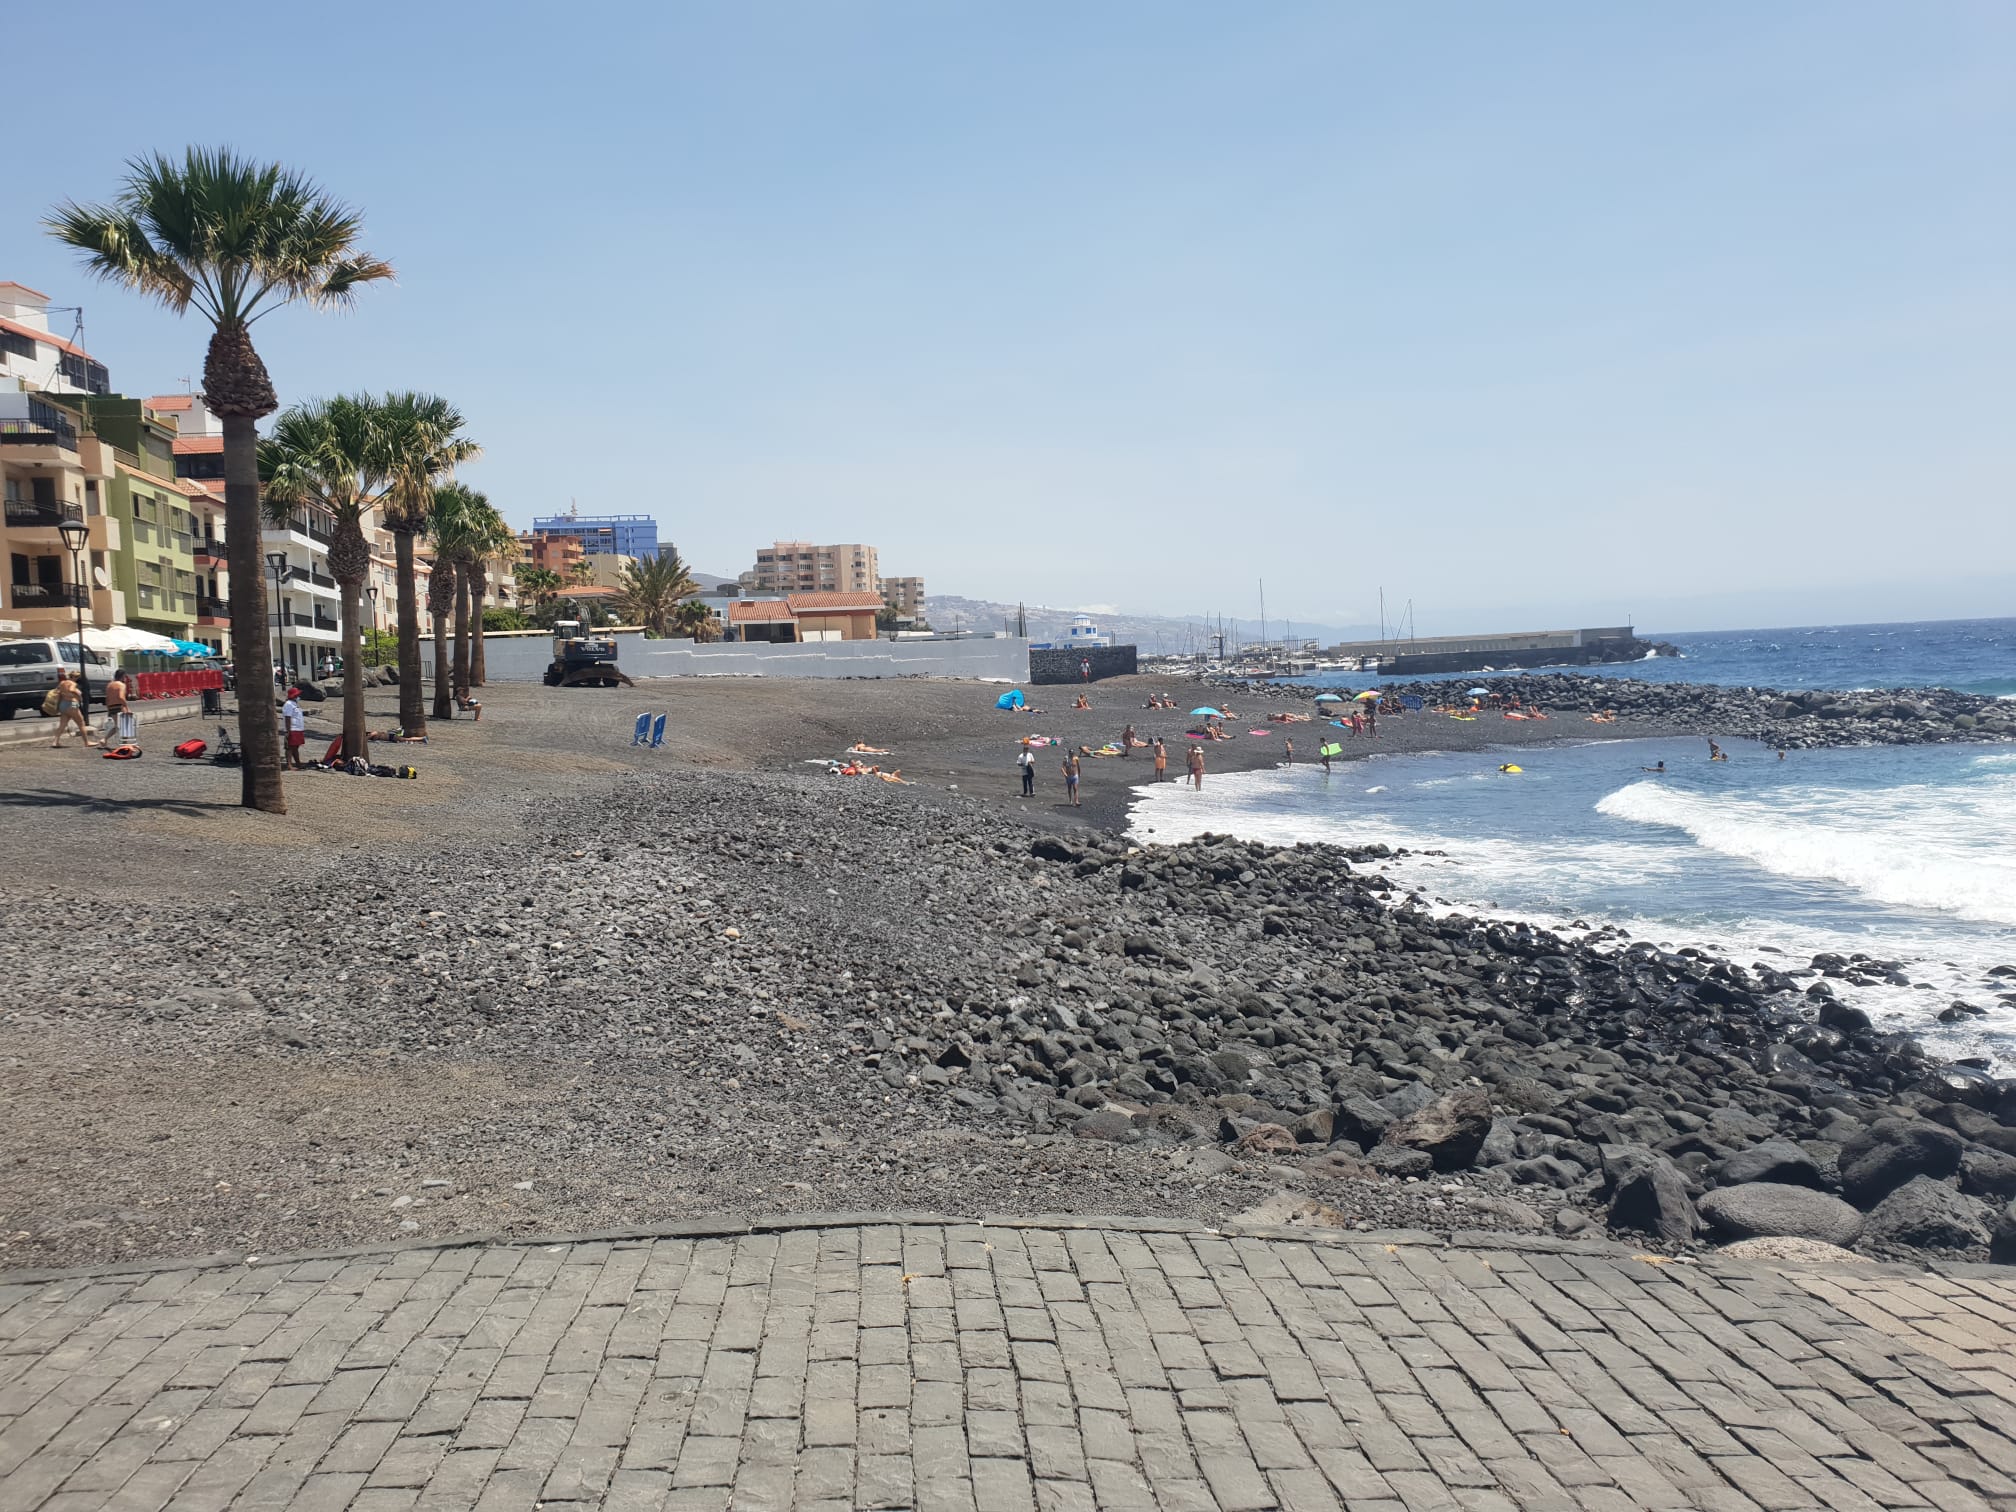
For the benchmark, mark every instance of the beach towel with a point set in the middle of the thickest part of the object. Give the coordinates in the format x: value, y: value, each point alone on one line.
x: 1332, y: 749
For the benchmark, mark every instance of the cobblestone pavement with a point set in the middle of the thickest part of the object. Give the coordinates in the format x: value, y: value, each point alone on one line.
x: 956, y: 1367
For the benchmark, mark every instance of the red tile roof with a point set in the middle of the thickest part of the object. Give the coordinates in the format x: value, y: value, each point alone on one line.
x: 171, y: 401
x: 760, y: 612
x: 190, y: 446
x: 833, y: 603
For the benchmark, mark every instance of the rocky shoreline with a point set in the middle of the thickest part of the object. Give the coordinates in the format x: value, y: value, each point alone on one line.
x: 751, y: 992
x: 1794, y: 720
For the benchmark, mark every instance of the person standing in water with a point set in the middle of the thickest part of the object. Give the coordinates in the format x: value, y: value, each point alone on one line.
x: 1197, y: 767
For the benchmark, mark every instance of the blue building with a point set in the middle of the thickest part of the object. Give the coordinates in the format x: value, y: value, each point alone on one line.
x: 605, y: 535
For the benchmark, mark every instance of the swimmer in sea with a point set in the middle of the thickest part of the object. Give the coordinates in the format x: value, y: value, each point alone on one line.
x: 1659, y: 768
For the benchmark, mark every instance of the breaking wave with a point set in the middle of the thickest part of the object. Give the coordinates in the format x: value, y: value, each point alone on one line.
x: 1950, y: 850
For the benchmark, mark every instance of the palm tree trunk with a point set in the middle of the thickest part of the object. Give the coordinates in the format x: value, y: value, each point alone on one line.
x: 349, y: 561
x: 462, y: 630
x: 251, y: 660
x: 477, y: 590
x: 440, y: 599
x: 412, y: 674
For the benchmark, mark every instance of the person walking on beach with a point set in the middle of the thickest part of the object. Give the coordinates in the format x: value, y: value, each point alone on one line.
x: 1161, y: 761
x: 295, y: 723
x: 1289, y: 758
x: 116, y: 712
x: 1085, y: 670
x: 1071, y: 776
x: 1197, y: 767
x: 70, y: 709
x: 1127, y: 740
x: 1027, y: 761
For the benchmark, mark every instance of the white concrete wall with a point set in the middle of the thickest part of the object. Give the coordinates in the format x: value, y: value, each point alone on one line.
x: 524, y: 658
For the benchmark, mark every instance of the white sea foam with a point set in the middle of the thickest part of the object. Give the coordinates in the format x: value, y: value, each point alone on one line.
x: 1950, y: 851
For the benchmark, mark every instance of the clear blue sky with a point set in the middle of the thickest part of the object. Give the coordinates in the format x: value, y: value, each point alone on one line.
x: 1552, y: 311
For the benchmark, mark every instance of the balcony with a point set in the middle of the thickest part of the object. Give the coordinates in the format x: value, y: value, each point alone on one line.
x: 208, y: 608
x: 208, y: 546
x: 43, y: 424
x: 47, y: 596
x: 28, y: 514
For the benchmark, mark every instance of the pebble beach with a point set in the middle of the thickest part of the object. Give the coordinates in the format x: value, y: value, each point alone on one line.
x: 559, y: 983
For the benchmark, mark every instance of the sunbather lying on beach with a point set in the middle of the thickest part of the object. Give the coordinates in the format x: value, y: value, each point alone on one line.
x: 859, y: 749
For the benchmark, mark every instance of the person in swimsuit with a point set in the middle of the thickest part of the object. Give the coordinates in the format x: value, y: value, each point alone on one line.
x: 1161, y: 761
x: 115, y: 703
x: 1197, y: 767
x: 1128, y: 740
x: 1071, y: 776
x: 70, y: 710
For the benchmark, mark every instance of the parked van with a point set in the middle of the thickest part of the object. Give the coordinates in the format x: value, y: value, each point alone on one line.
x: 30, y: 668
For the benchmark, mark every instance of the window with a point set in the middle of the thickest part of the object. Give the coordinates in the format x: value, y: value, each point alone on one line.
x: 13, y: 344
x: 26, y: 653
x: 201, y: 465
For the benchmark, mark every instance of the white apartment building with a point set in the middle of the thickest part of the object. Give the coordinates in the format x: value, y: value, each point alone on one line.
x: 34, y: 354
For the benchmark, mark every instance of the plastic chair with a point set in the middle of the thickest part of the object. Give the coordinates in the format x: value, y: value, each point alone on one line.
x: 643, y: 731
x: 658, y: 732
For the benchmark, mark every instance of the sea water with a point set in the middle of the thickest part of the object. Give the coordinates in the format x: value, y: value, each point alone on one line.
x: 1972, y: 656
x: 1906, y: 854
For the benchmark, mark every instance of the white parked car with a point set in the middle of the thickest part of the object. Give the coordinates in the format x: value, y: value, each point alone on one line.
x: 30, y: 668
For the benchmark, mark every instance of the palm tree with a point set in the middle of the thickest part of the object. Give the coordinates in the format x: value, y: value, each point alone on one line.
x: 422, y: 433
x: 696, y: 621
x: 540, y: 584
x: 236, y: 240
x: 330, y: 453
x: 652, y: 589
x: 582, y: 573
x: 498, y: 547
x: 451, y: 524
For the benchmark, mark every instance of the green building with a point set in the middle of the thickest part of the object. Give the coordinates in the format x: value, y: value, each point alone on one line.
x: 155, y: 565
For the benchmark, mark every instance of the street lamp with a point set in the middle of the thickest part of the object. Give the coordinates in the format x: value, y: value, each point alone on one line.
x: 277, y: 560
x: 371, y: 592
x: 75, y: 535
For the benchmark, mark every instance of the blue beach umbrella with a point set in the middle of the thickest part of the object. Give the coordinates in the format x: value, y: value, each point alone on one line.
x: 1012, y: 699
x: 1203, y: 711
x: 1478, y: 693
x: 1329, y: 698
x: 193, y: 648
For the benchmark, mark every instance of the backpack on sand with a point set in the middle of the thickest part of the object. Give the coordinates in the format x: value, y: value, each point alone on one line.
x: 192, y: 750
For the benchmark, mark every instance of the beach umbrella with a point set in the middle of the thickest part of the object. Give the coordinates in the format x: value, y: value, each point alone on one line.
x: 1368, y: 693
x: 1478, y: 693
x: 1012, y: 699
x: 1329, y: 698
x: 193, y: 648
x: 1203, y: 711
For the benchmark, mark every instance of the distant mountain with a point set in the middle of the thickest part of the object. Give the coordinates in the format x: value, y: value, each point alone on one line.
x: 1152, y: 633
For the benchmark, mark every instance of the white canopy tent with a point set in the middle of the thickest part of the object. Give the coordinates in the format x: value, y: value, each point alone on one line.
x: 127, y: 638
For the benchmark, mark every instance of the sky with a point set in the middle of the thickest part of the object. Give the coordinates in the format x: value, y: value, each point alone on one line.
x: 1549, y: 314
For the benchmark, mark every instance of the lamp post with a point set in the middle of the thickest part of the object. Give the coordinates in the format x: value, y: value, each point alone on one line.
x: 75, y: 534
x: 277, y: 560
x: 371, y: 592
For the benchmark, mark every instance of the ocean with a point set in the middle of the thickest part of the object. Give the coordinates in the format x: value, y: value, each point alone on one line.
x: 1905, y: 854
x: 1973, y: 656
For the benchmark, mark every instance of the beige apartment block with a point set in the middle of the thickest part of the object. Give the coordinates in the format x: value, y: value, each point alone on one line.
x: 805, y: 567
